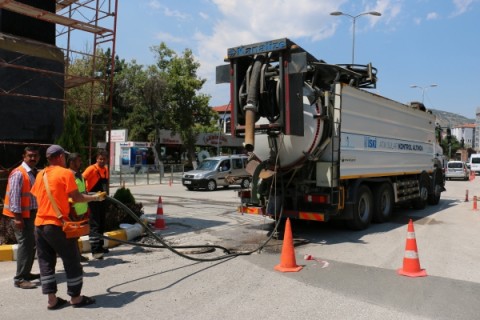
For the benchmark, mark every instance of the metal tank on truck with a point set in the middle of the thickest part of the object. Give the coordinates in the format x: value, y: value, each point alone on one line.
x: 320, y: 146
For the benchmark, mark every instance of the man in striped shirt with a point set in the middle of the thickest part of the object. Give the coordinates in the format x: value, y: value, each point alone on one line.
x: 21, y: 207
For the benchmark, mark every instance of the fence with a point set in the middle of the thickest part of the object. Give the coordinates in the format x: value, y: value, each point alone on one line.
x: 148, y: 174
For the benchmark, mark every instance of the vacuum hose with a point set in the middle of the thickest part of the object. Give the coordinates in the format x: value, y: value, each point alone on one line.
x: 252, y: 103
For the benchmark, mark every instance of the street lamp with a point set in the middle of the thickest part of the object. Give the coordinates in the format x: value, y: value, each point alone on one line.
x: 423, y: 89
x: 354, y: 19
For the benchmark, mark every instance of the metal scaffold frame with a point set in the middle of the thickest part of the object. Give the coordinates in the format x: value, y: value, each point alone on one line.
x: 88, y: 23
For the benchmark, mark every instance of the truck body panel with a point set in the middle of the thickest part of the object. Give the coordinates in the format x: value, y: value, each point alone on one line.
x: 383, y: 137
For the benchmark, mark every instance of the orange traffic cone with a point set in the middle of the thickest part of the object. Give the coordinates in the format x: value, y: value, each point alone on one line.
x: 411, y: 263
x: 287, y: 260
x: 159, y: 222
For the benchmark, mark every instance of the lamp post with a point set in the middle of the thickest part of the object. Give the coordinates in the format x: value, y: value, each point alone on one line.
x: 423, y: 89
x: 354, y: 19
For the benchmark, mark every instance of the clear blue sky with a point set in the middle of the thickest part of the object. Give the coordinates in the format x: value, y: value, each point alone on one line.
x: 414, y: 42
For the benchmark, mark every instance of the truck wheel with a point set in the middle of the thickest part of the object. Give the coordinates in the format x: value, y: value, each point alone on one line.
x: 421, y: 203
x: 382, y: 203
x: 362, y: 210
x: 211, y: 185
x: 434, y: 197
x: 245, y: 183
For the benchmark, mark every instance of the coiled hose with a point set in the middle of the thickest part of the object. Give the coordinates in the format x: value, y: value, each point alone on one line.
x: 227, y: 254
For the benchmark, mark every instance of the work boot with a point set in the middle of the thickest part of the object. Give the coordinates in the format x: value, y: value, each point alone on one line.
x: 24, y: 284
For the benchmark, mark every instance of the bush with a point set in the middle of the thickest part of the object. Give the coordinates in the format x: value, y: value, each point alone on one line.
x: 7, y: 236
x: 117, y: 215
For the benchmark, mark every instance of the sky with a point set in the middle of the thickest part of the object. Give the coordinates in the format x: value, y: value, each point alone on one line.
x: 413, y: 42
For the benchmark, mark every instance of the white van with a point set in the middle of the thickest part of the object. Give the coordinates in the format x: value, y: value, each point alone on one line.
x: 475, y: 162
x: 218, y: 171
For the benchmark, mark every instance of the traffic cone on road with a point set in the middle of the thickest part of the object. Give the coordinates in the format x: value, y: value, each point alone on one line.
x: 159, y: 222
x: 411, y: 263
x: 288, y: 262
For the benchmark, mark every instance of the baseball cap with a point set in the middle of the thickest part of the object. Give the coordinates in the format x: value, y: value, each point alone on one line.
x: 55, y: 149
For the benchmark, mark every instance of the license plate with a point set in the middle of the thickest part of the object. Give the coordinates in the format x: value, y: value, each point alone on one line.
x: 187, y: 182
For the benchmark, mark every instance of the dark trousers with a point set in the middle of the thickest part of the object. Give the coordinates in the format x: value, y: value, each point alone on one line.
x: 51, y: 241
x: 97, y: 225
x: 26, y: 248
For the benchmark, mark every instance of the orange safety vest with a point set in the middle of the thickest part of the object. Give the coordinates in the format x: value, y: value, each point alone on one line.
x: 25, y: 195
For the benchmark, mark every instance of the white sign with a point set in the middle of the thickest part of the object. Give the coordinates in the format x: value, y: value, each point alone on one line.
x: 119, y: 135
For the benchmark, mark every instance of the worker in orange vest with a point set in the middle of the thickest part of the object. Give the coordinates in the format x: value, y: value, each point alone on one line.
x: 21, y: 206
x: 96, y: 176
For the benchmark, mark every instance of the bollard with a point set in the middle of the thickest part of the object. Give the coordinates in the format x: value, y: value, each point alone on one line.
x: 466, y: 195
x: 475, y: 203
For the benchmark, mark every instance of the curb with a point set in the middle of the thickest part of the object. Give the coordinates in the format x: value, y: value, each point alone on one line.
x: 126, y: 232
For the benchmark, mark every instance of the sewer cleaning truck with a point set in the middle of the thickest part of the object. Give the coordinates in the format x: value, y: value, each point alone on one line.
x: 320, y: 145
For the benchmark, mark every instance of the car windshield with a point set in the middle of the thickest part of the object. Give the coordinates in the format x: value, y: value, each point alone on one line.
x: 208, y: 165
x: 476, y: 160
x: 456, y: 165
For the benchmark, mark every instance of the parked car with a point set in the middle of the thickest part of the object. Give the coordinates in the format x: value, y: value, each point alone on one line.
x: 475, y: 162
x: 457, y: 170
x: 218, y: 171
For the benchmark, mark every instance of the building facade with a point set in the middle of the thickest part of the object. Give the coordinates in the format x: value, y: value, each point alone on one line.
x: 467, y: 133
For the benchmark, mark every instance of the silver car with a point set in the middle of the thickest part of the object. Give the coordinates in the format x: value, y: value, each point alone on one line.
x: 218, y: 171
x: 457, y: 170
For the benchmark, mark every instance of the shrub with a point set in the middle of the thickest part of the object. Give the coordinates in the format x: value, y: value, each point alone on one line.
x: 117, y: 215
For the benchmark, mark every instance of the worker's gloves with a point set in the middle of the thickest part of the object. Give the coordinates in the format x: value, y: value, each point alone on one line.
x: 100, y: 196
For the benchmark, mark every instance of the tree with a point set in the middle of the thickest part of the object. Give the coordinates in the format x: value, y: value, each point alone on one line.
x: 453, y: 146
x: 184, y: 109
x: 73, y: 135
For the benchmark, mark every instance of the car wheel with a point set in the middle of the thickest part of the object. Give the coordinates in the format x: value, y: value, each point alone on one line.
x: 245, y: 183
x: 211, y: 185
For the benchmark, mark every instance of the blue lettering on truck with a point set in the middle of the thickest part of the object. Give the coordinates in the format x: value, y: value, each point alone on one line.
x: 370, y: 142
x: 262, y: 47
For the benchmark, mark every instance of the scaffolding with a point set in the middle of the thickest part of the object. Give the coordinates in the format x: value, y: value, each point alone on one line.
x: 84, y: 29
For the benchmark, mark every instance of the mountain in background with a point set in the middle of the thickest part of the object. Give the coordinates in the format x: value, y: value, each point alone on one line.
x: 445, y: 118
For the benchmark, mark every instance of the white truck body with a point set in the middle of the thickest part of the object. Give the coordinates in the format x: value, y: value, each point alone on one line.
x: 381, y: 137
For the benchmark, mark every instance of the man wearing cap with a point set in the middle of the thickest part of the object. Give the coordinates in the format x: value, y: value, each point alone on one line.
x: 51, y: 240
x: 21, y: 206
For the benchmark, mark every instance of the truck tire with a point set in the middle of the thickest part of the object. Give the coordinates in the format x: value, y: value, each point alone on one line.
x: 211, y: 185
x: 434, y: 197
x: 421, y: 203
x: 383, y: 202
x: 362, y: 210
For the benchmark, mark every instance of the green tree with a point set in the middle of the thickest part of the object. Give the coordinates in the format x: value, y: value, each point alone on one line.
x: 72, y: 137
x: 184, y: 109
x: 453, y: 146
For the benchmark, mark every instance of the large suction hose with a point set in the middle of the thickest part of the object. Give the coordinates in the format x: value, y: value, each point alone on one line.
x: 252, y: 103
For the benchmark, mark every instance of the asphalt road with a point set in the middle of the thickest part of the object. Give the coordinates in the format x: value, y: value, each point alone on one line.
x: 352, y: 276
